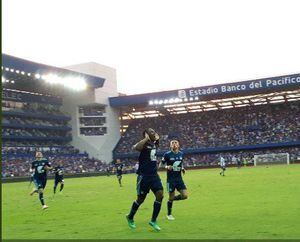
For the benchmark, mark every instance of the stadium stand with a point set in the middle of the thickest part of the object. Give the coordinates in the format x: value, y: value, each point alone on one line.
x: 33, y: 121
x: 273, y: 123
x: 233, y: 120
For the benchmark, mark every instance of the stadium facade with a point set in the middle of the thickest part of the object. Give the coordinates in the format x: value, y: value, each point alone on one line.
x: 26, y: 81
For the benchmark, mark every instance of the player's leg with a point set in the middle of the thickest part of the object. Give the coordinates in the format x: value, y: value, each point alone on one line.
x: 35, y: 189
x: 157, y: 189
x: 171, y: 191
x: 30, y: 181
x: 223, y: 171
x: 41, y: 197
x: 181, y: 187
x: 120, y: 180
x: 136, y: 204
x: 55, y: 185
x: 142, y: 188
x: 183, y: 195
x: 41, y: 192
x: 170, y: 204
x: 156, y: 209
x: 62, y: 183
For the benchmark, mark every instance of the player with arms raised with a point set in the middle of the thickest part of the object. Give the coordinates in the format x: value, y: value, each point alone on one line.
x: 148, y: 177
x: 40, y: 167
x: 173, y: 163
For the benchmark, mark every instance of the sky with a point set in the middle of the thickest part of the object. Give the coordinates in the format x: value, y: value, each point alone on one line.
x: 158, y: 45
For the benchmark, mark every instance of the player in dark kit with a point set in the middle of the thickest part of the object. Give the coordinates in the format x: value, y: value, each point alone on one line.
x: 147, y: 177
x: 59, y: 177
x: 173, y: 163
x: 40, y: 167
x: 119, y: 171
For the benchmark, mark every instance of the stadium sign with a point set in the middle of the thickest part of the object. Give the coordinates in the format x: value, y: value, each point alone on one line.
x: 237, y: 87
x: 16, y: 96
x: 190, y: 94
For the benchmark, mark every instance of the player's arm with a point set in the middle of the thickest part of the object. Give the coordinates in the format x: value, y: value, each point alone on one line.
x: 140, y: 145
x: 48, y: 166
x: 164, y: 161
x: 182, y: 167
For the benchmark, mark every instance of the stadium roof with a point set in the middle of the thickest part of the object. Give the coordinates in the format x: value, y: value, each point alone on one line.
x: 254, y: 92
x: 15, y: 64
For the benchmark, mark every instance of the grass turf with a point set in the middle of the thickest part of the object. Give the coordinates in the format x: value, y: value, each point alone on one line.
x: 248, y: 203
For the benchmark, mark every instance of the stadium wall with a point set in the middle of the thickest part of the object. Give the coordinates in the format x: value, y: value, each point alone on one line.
x: 97, y: 146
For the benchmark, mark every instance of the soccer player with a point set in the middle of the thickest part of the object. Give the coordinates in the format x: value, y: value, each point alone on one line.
x: 148, y: 177
x: 119, y: 171
x: 40, y: 166
x: 59, y: 177
x: 222, y: 165
x: 173, y: 163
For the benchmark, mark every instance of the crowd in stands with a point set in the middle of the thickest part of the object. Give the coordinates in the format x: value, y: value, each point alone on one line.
x: 93, y: 131
x: 92, y: 110
x: 93, y: 121
x: 43, y: 143
x: 46, y: 150
x: 32, y: 107
x: 33, y: 121
x: 212, y: 159
x: 34, y: 132
x: 253, y: 125
x: 20, y: 167
x: 226, y: 128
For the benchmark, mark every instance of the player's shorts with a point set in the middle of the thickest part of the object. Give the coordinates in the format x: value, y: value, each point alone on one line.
x: 145, y: 183
x: 177, y: 184
x: 59, y: 179
x: 223, y: 168
x: 119, y: 174
x: 40, y: 182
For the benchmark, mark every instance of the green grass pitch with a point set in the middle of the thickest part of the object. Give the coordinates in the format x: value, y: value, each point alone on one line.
x: 250, y: 203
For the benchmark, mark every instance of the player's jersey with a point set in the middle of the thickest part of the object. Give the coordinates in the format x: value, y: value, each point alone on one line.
x: 59, y: 171
x: 222, y: 162
x: 147, y: 160
x: 119, y: 168
x: 175, y: 160
x: 39, y: 167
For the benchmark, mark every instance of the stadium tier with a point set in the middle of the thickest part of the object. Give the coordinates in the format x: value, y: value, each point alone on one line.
x: 75, y: 115
x: 53, y: 110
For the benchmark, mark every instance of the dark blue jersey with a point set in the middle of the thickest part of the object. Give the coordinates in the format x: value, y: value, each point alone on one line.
x: 39, y: 167
x: 147, y: 160
x: 175, y: 160
x: 119, y: 168
x: 59, y: 171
